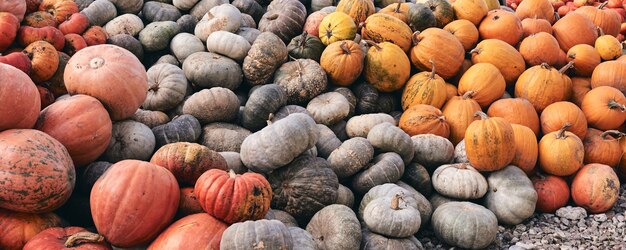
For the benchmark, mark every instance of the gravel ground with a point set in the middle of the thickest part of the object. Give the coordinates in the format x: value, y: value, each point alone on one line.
x: 569, y: 228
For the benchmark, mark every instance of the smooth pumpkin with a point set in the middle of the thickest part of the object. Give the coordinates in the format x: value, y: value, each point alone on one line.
x: 585, y: 58
x: 526, y: 148
x: 336, y: 26
x: 492, y: 143
x: 561, y: 152
x: 609, y: 47
x: 424, y: 119
x: 610, y: 73
x: 16, y: 229
x: 485, y: 80
x: 604, y: 107
x: 502, y: 55
x: 503, y: 25
x: 535, y: 25
x: 424, y: 88
x: 574, y: 29
x: 596, y: 188
x: 543, y: 85
x: 606, y: 19
x: 516, y: 110
x: 427, y: 47
x: 602, y: 147
x: 459, y: 111
x: 191, y: 232
x: 19, y: 99
x: 560, y: 113
x: 397, y: 10
x: 540, y: 48
x: 387, y: 67
x: 386, y: 28
x: 343, y: 62
x: 9, y: 26
x: 580, y: 87
x: 541, y: 9
x: 465, y: 31
x: 552, y: 192
x: 471, y: 10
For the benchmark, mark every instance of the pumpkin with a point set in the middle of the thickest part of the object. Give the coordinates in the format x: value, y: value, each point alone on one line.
x: 604, y: 107
x: 579, y: 24
x: 424, y: 88
x: 585, y: 58
x: 200, y: 8
x: 420, y: 17
x: 389, y: 217
x: 361, y: 152
x: 16, y: 229
x: 372, y: 241
x: 459, y: 112
x: 156, y: 36
x: 74, y: 43
x: 15, y: 7
x: 207, y: 70
x: 329, y: 108
x: 100, y: 12
x: 150, y: 118
x: 343, y: 62
x: 184, y: 45
x: 96, y: 36
x: 465, y: 31
x: 511, y: 196
x: 39, y: 19
x: 560, y: 113
x: 386, y: 137
x: 285, y: 18
x: 411, y: 199
x: 67, y: 238
x: 432, y: 150
x: 526, y: 148
x: 306, y: 46
x: 124, y: 24
x: 77, y: 23
x: 129, y: 140
x: 609, y: 47
x: 426, y: 50
x: 126, y: 6
x: 417, y: 176
x: 386, y: 28
x: 211, y: 105
x: 502, y: 55
x: 187, y: 161
x: 602, y: 147
x: 396, y: 70
x: 270, y: 234
x: 267, y: 53
x: 492, y: 144
x: 18, y: 60
x: 535, y: 25
x: 606, y: 19
x: 60, y: 9
x: 336, y: 26
x: 540, y: 48
x: 282, y: 216
x: 222, y: 137
x: 190, y: 232
x: 359, y: 126
x: 162, y: 191
x: 167, y: 87
x: 459, y: 181
x: 156, y: 12
x: 252, y: 8
x: 503, y: 25
x: 580, y: 87
x: 384, y: 168
x: 27, y: 35
x: 224, y: 17
x: 397, y: 10
x: 471, y: 10
x: 538, y: 9
x: 327, y: 141
x: 231, y: 45
x: 480, y: 224
x: 302, y: 80
x: 561, y: 152
x: 46, y: 96
x: 609, y: 73
x: 552, y: 192
x: 90, y: 175
x: 42, y: 167
x: 335, y: 227
x: 345, y: 196
x: 359, y: 10
x: 443, y: 11
x: 264, y: 101
x: 485, y: 81
x: 595, y: 188
x: 44, y: 59
x: 312, y: 23
x: 19, y: 99
x: 424, y: 119
x: 516, y: 111
x: 543, y: 85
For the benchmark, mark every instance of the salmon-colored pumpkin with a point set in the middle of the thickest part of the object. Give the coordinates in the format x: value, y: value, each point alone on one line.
x: 112, y: 75
x: 459, y: 112
x: 197, y: 231
x: 502, y: 55
x: 386, y: 28
x: 59, y: 238
x: 15, y: 7
x: 40, y: 19
x: 60, y: 9
x: 604, y: 107
x: 471, y: 10
x: 556, y: 115
x: 77, y: 23
x: 95, y: 35
x: 187, y: 161
x: 44, y: 59
x: 74, y: 43
x: 602, y: 147
x: 359, y: 10
x: 543, y: 85
x: 217, y: 195
x: 516, y: 111
x: 32, y: 5
x: 427, y: 48
x: 540, y: 48
x: 574, y: 29
x: 188, y: 204
x: 133, y: 201
x: 387, y: 67
x: 485, y: 80
x: 492, y: 143
x: 45, y: 96
x: 19, y: 99
x: 465, y: 31
x: 424, y: 88
x: 28, y: 35
x: 596, y: 188
x: 526, y: 148
x: 336, y: 26
x: 610, y: 73
x: 585, y: 58
x: 16, y: 229
x: 535, y: 25
x: 9, y: 25
x: 541, y: 9
x: 37, y: 172
x: 552, y: 192
x: 561, y: 152
x: 18, y: 60
x: 503, y: 25
x: 424, y: 119
x: 397, y: 10
x: 343, y: 62
x: 608, y: 47
x: 312, y: 24
x: 580, y: 87
x: 605, y: 18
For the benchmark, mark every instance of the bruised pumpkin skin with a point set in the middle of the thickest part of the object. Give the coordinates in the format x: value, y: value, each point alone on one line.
x: 490, y: 143
x: 424, y: 88
x: 387, y: 67
x: 596, y: 188
x: 16, y: 229
x: 386, y: 28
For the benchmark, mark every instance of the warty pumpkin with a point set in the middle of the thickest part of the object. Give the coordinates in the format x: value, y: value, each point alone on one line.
x: 471, y: 10
x: 561, y: 152
x: 540, y: 48
x: 516, y: 110
x: 541, y: 9
x: 543, y: 85
x: 485, y: 80
x: 427, y: 47
x: 10, y: 25
x: 585, y: 58
x: 424, y: 119
x: 596, y: 188
x: 610, y: 73
x: 359, y: 10
x: 387, y: 67
x: 16, y: 229
x: 609, y: 47
x: 607, y: 19
x: 552, y: 192
x: 424, y: 88
x: 491, y: 143
x: 465, y: 31
x: 67, y: 238
x: 502, y: 55
x: 526, y: 148
x: 336, y: 26
x: 19, y: 99
x: 604, y: 107
x: 503, y: 25
x: 574, y: 29
x: 343, y: 62
x: 459, y: 112
x: 381, y: 27
x: 560, y: 113
x: 603, y: 147
x: 535, y: 25
x: 40, y: 19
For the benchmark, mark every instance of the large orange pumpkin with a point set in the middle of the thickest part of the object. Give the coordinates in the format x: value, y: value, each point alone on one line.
x: 459, y: 111
x: 386, y: 28
x: 133, y: 201
x: 604, y: 107
x: 359, y: 10
x: 343, y: 62
x: 602, y: 147
x: 112, y: 75
x: 59, y: 238
x: 233, y: 198
x: 9, y: 24
x: 517, y: 111
x: 424, y: 88
x: 36, y: 171
x: 503, y: 25
x: 18, y: 228
x: 561, y: 152
x: 427, y: 48
x: 465, y: 31
x: 187, y: 161
x: 580, y: 87
x: 605, y: 18
x: 535, y: 9
x: 44, y: 59
x: 526, y: 148
x: 552, y: 192
x: 610, y: 73
x: 502, y: 55
x: 471, y: 10
x: 543, y: 85
x: 19, y: 99
x: 540, y: 48
x: 197, y: 231
x: 556, y: 115
x: 387, y: 67
x: 585, y: 58
x: 491, y: 143
x: 574, y: 29
x: 535, y: 25
x: 596, y: 188
x: 397, y: 10
x: 424, y: 119
x: 81, y: 124
x: 485, y: 80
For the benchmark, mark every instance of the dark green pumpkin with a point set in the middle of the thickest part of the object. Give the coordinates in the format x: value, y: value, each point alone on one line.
x: 442, y: 10
x: 306, y: 47
x: 421, y: 17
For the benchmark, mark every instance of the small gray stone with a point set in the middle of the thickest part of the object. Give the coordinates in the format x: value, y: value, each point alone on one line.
x: 572, y: 213
x: 525, y: 245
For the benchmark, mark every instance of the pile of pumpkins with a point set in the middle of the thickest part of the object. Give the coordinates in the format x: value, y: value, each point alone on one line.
x: 287, y: 124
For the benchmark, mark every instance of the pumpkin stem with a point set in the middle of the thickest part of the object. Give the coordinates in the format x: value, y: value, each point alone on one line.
x: 414, y: 39
x: 232, y: 174
x: 602, y: 5
x: 475, y: 50
x: 361, y: 25
x: 468, y: 94
x: 561, y: 133
x: 462, y: 166
x: 441, y: 118
x: 482, y: 115
x: 556, y: 16
x: 599, y: 29
x: 613, y: 105
x: 272, y: 17
x: 397, y: 10
x: 304, y: 37
x: 83, y: 237
x: 572, y: 56
x: 395, y: 201
x: 372, y: 43
x: 345, y: 48
x: 615, y: 133
x: 432, y: 72
x: 566, y: 67
x: 545, y: 65
x: 270, y: 117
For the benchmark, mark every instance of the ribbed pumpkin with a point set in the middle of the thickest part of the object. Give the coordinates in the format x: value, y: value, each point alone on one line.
x: 485, y: 80
x: 81, y: 124
x: 543, y: 85
x: 386, y: 28
x: 424, y: 119
x: 502, y: 55
x: 424, y: 88
x: 602, y: 147
x: 574, y: 29
x: 580, y: 87
x: 492, y: 143
x: 459, y: 111
x: 535, y: 25
x: 387, y: 67
x: 336, y: 26
x: 604, y: 107
x: 611, y: 73
x: 516, y: 111
x: 60, y: 9
x: 188, y: 161
x: 503, y: 25
x: 19, y: 99
x: 605, y: 18
x: 596, y: 188
x: 561, y: 152
x: 343, y: 62
x: 585, y: 58
x: 427, y: 48
x: 552, y: 192
x: 608, y: 47
x: 465, y: 31
x: 16, y: 229
x: 197, y: 231
x: 397, y: 10
x: 540, y: 48
x: 556, y: 115
x: 359, y: 10
x: 526, y: 148
x: 44, y: 59
x: 233, y: 198
x: 471, y: 10
x: 535, y: 9
x: 451, y: 91
x: 133, y: 201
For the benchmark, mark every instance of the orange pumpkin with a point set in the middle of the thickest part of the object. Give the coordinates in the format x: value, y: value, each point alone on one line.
x: 397, y: 10
x: 465, y: 31
x: 67, y: 238
x: 427, y: 48
x: 556, y: 115
x: 604, y: 107
x: 28, y: 35
x: 40, y: 19
x: 502, y: 55
x: 526, y: 148
x: 60, y: 9
x: 191, y: 232
x: 95, y: 35
x: 386, y: 28
x: 77, y: 23
x: 74, y: 43
x: 580, y: 87
x: 561, y: 152
x: 343, y: 62
x: 574, y: 29
x: 503, y: 25
x: 387, y: 67
x: 605, y: 18
x: 359, y: 10
x: 44, y: 59
x: 585, y: 58
x: 112, y: 75
x: 552, y: 192
x: 535, y: 25
x: 596, y: 188
x: 187, y: 161
x: 16, y: 229
x: 608, y: 47
x: 492, y: 143
x: 451, y: 91
x: 540, y: 48
x: 516, y: 111
x: 485, y: 80
x: 459, y: 111
x: 610, y: 73
x: 424, y: 119
x: 9, y: 25
x: 471, y: 10
x: 19, y: 99
x: 541, y: 9
x: 543, y: 85
x: 602, y: 147
x: 621, y: 168
x: 336, y: 26
x: 188, y: 204
x: 424, y: 88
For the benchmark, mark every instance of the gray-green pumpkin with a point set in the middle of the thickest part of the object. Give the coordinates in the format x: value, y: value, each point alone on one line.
x: 465, y: 225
